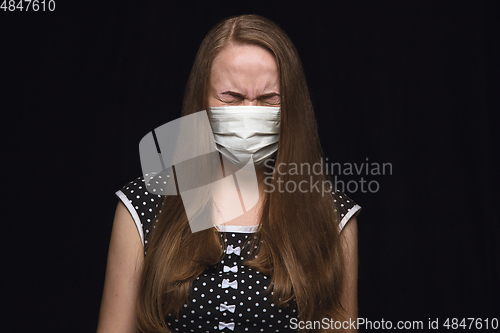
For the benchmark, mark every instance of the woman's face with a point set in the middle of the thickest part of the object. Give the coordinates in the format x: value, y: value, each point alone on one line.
x: 244, y: 75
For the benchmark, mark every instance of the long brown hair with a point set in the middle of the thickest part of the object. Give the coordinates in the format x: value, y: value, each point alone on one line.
x: 298, y: 235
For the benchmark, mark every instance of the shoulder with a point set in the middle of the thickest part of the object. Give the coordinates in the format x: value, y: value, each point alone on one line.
x: 345, y: 207
x: 141, y: 204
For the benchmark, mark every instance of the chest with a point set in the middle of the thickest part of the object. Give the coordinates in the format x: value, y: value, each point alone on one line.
x: 232, y: 297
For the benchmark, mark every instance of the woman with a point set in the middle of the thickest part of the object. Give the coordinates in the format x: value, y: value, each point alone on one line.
x: 291, y: 257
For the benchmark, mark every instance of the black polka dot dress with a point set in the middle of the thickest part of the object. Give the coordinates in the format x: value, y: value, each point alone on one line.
x: 229, y: 296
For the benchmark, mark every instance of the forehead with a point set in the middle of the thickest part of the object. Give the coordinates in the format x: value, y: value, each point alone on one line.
x: 245, y: 67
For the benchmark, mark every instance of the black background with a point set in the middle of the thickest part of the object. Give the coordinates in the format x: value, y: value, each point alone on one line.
x: 409, y: 83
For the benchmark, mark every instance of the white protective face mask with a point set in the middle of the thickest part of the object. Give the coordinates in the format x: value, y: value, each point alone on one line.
x: 241, y: 132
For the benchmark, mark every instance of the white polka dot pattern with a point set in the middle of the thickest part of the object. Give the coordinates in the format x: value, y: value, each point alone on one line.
x: 232, y: 297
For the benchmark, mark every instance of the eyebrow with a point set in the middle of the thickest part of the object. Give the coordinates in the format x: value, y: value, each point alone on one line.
x: 238, y: 95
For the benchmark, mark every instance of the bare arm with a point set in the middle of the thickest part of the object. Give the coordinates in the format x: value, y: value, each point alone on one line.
x: 125, y: 259
x: 350, y: 295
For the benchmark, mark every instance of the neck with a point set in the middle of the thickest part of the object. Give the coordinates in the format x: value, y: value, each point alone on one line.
x: 241, y: 206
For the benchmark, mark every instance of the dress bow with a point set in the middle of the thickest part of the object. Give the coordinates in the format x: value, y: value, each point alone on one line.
x: 231, y: 249
x: 227, y: 284
x: 223, y: 325
x: 230, y: 308
x: 233, y: 269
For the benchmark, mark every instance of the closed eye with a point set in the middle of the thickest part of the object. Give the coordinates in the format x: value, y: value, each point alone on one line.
x: 270, y: 99
x: 231, y: 97
x: 234, y: 97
